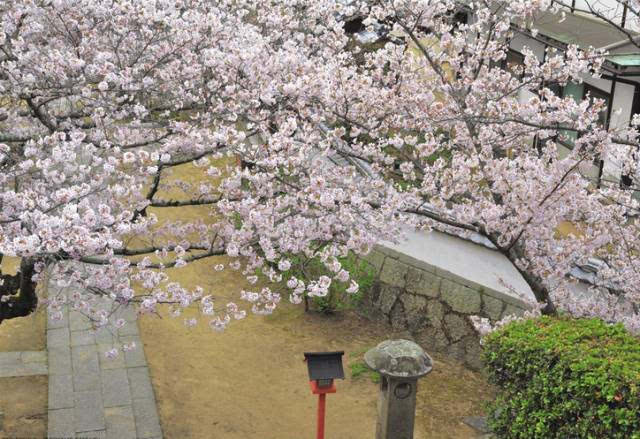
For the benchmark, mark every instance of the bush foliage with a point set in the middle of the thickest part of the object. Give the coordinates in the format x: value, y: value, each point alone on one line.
x: 564, y: 378
x: 337, y: 299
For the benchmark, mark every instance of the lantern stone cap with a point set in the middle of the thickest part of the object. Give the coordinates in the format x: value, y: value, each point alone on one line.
x: 399, y: 358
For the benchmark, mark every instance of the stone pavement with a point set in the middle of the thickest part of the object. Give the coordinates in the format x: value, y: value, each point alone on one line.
x: 91, y: 396
x: 20, y: 364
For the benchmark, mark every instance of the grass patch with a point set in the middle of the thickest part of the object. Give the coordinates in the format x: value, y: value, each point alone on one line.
x: 359, y: 370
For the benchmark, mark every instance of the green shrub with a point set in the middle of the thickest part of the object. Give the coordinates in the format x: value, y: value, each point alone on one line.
x: 564, y: 378
x: 337, y: 299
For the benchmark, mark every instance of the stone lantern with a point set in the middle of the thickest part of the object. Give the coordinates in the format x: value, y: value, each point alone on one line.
x: 400, y: 363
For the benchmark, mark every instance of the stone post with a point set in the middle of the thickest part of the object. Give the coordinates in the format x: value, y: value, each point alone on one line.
x: 401, y: 363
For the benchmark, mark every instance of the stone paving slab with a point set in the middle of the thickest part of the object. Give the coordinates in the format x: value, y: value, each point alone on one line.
x: 59, y: 360
x: 19, y: 364
x: 130, y: 328
x: 109, y: 363
x: 60, y: 423
x: 86, y: 368
x: 62, y: 323
x: 90, y: 395
x: 134, y: 358
x: 120, y: 422
x: 88, y: 411
x: 34, y: 357
x: 83, y: 338
x: 146, y: 417
x: 115, y: 388
x: 98, y: 434
x: 23, y: 370
x: 140, y: 382
x: 61, y: 392
x: 9, y: 358
x: 104, y: 336
x: 478, y: 423
x: 78, y: 322
x: 58, y: 337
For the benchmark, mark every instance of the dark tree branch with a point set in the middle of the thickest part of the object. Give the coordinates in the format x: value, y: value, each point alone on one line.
x: 180, y: 203
x: 207, y: 254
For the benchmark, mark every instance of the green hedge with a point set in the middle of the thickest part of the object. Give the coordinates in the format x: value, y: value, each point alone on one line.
x: 564, y: 378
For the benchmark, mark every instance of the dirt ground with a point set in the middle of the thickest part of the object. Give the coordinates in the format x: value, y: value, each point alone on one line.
x: 23, y: 399
x: 250, y: 381
x: 25, y: 333
x: 24, y: 402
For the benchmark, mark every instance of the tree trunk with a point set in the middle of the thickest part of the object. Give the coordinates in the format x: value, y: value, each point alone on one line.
x: 535, y: 283
x: 23, y: 303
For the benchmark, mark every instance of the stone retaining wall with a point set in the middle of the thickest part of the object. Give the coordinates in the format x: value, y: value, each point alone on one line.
x: 433, y: 305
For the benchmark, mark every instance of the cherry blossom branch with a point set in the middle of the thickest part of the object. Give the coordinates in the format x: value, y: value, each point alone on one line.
x: 148, y: 250
x: 208, y: 254
x: 555, y: 188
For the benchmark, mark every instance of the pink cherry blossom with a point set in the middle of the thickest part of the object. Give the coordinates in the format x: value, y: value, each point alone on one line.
x: 335, y: 149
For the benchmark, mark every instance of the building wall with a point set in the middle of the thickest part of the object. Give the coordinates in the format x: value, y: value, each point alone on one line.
x: 433, y: 305
x: 519, y: 41
x: 621, y: 107
x: 620, y: 118
x: 602, y: 84
x: 611, y: 9
x: 622, y: 100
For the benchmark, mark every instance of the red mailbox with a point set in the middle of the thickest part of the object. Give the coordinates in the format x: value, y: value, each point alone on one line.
x: 323, y: 367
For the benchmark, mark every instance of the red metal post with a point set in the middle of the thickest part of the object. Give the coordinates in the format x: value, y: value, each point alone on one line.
x: 322, y: 394
x: 321, y: 408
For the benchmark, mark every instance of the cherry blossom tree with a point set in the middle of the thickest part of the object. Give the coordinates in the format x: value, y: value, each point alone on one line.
x: 341, y: 146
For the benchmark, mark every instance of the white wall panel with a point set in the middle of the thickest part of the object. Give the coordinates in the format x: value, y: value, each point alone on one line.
x: 520, y: 41
x: 602, y: 84
x: 622, y: 100
x: 610, y: 9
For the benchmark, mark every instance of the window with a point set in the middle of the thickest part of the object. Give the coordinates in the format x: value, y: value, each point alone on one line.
x: 510, y: 63
x: 596, y: 93
x: 555, y: 88
x: 460, y: 17
x: 579, y: 92
x: 513, y: 61
x: 576, y: 91
x: 626, y: 181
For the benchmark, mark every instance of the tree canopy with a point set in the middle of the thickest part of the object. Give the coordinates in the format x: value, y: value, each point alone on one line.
x: 341, y: 144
